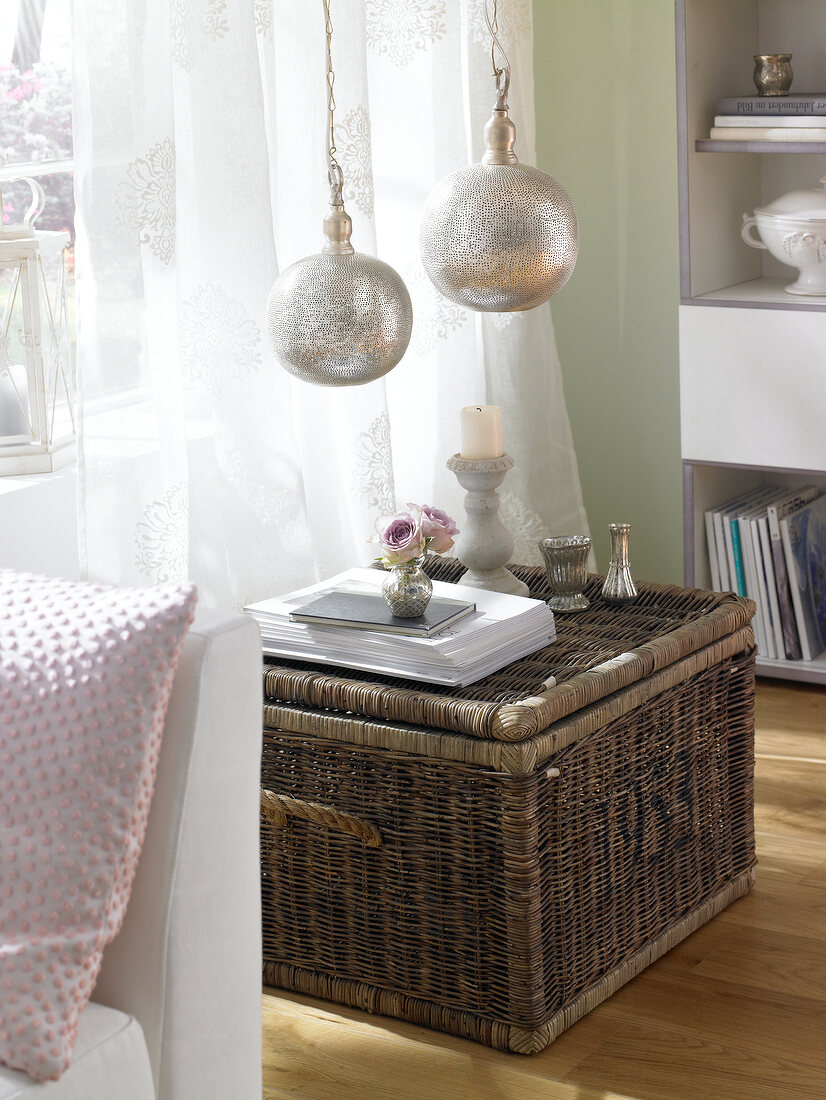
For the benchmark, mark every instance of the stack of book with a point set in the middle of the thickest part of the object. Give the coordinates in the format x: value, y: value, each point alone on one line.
x: 464, y: 635
x: 770, y: 545
x: 771, y: 118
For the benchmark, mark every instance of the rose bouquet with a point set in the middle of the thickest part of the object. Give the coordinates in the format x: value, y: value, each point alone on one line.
x: 405, y: 539
x: 414, y: 533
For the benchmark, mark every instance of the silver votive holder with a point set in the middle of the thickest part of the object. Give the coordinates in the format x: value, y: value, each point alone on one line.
x: 566, y: 561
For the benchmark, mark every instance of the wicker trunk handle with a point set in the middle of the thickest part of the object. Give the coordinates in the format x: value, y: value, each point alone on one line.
x: 277, y: 807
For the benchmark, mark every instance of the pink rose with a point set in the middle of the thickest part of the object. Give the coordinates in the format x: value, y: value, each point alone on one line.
x: 439, y: 528
x: 401, y: 536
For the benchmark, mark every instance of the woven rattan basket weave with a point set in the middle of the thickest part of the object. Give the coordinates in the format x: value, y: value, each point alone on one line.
x: 495, y: 860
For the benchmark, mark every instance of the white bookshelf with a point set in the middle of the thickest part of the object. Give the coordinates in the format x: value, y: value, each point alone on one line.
x: 752, y: 358
x: 762, y: 292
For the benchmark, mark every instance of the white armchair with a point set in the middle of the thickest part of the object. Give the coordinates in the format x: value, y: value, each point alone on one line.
x: 176, y: 1013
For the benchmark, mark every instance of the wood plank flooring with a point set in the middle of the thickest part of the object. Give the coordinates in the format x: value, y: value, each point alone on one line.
x: 738, y: 1010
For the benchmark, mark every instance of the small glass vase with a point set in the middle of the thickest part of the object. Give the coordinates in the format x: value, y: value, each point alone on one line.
x: 566, y: 562
x: 407, y: 589
x: 619, y: 587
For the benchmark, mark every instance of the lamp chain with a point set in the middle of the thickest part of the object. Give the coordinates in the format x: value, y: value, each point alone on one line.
x: 501, y: 75
x: 334, y: 172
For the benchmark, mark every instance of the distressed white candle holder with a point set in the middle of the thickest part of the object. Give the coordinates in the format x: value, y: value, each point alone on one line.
x: 485, y: 544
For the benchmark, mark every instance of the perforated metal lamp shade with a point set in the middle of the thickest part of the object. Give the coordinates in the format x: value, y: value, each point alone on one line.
x: 499, y: 236
x: 339, y: 317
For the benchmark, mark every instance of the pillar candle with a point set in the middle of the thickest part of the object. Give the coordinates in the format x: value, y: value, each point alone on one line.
x: 481, y: 432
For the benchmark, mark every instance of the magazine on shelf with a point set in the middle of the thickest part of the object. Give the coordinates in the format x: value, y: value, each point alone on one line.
x: 803, y: 533
x: 783, y: 506
x: 754, y: 571
x: 771, y: 585
x: 502, y: 629
x: 714, y: 565
x: 764, y: 607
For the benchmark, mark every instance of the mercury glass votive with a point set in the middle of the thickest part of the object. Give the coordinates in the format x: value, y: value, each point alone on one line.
x: 566, y: 559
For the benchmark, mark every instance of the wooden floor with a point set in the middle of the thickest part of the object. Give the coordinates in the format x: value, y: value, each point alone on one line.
x: 736, y: 1010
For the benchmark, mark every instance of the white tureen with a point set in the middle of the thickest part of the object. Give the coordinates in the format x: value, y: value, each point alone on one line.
x: 793, y: 230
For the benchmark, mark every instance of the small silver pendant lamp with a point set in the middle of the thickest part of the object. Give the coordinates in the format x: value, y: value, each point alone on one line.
x: 499, y: 236
x: 339, y: 317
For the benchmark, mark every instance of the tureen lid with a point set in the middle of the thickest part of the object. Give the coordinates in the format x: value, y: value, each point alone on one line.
x: 808, y: 205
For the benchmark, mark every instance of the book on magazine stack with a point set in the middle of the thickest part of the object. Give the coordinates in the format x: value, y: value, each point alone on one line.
x: 804, y: 540
x: 500, y: 629
x: 368, y: 611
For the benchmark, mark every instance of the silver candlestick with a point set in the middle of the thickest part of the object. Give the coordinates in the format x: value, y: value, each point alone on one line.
x: 485, y: 544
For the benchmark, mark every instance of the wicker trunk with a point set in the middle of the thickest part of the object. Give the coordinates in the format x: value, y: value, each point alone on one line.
x: 493, y: 861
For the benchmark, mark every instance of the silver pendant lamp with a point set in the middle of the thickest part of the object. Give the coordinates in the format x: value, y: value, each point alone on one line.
x: 499, y: 236
x: 339, y: 317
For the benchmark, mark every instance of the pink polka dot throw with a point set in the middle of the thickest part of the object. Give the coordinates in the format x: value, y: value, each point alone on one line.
x: 85, y: 677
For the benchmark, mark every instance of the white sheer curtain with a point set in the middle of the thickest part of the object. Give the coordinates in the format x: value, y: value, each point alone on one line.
x: 199, y: 135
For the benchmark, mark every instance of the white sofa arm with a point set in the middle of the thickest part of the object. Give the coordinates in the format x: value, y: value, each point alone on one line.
x: 187, y: 962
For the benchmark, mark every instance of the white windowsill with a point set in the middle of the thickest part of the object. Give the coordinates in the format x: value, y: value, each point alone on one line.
x: 38, y: 523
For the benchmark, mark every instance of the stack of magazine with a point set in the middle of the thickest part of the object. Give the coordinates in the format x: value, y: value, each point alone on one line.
x: 464, y: 635
x: 770, y: 545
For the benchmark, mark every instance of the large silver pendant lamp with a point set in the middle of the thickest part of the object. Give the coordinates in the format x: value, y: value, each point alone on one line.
x: 499, y: 236
x: 339, y: 317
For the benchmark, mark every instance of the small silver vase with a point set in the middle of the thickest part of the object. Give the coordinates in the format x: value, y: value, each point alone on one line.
x: 619, y: 587
x: 566, y: 560
x: 407, y: 589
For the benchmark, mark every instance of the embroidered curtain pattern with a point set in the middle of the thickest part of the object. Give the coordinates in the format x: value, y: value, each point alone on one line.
x: 200, y: 173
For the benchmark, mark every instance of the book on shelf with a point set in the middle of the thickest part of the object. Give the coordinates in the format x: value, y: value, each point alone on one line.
x: 369, y: 611
x: 767, y: 133
x: 810, y: 103
x: 790, y: 122
x: 779, y: 508
x: 500, y: 630
x: 803, y: 533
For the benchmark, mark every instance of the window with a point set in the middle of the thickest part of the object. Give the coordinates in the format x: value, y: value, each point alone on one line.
x: 36, y: 116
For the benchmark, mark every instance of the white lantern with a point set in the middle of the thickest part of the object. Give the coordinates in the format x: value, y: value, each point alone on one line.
x: 37, y: 426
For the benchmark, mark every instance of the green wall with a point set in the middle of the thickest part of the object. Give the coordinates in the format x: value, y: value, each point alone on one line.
x: 606, y: 129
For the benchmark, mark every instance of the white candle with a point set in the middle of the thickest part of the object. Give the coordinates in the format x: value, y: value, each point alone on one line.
x: 481, y: 432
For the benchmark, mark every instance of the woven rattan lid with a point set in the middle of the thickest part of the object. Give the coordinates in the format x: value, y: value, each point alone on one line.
x: 597, y: 653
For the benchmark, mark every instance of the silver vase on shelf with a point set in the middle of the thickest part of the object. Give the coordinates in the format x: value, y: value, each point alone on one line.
x: 773, y: 73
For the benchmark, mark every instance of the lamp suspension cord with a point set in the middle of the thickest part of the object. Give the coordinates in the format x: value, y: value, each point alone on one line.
x: 334, y: 173
x: 501, y: 75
